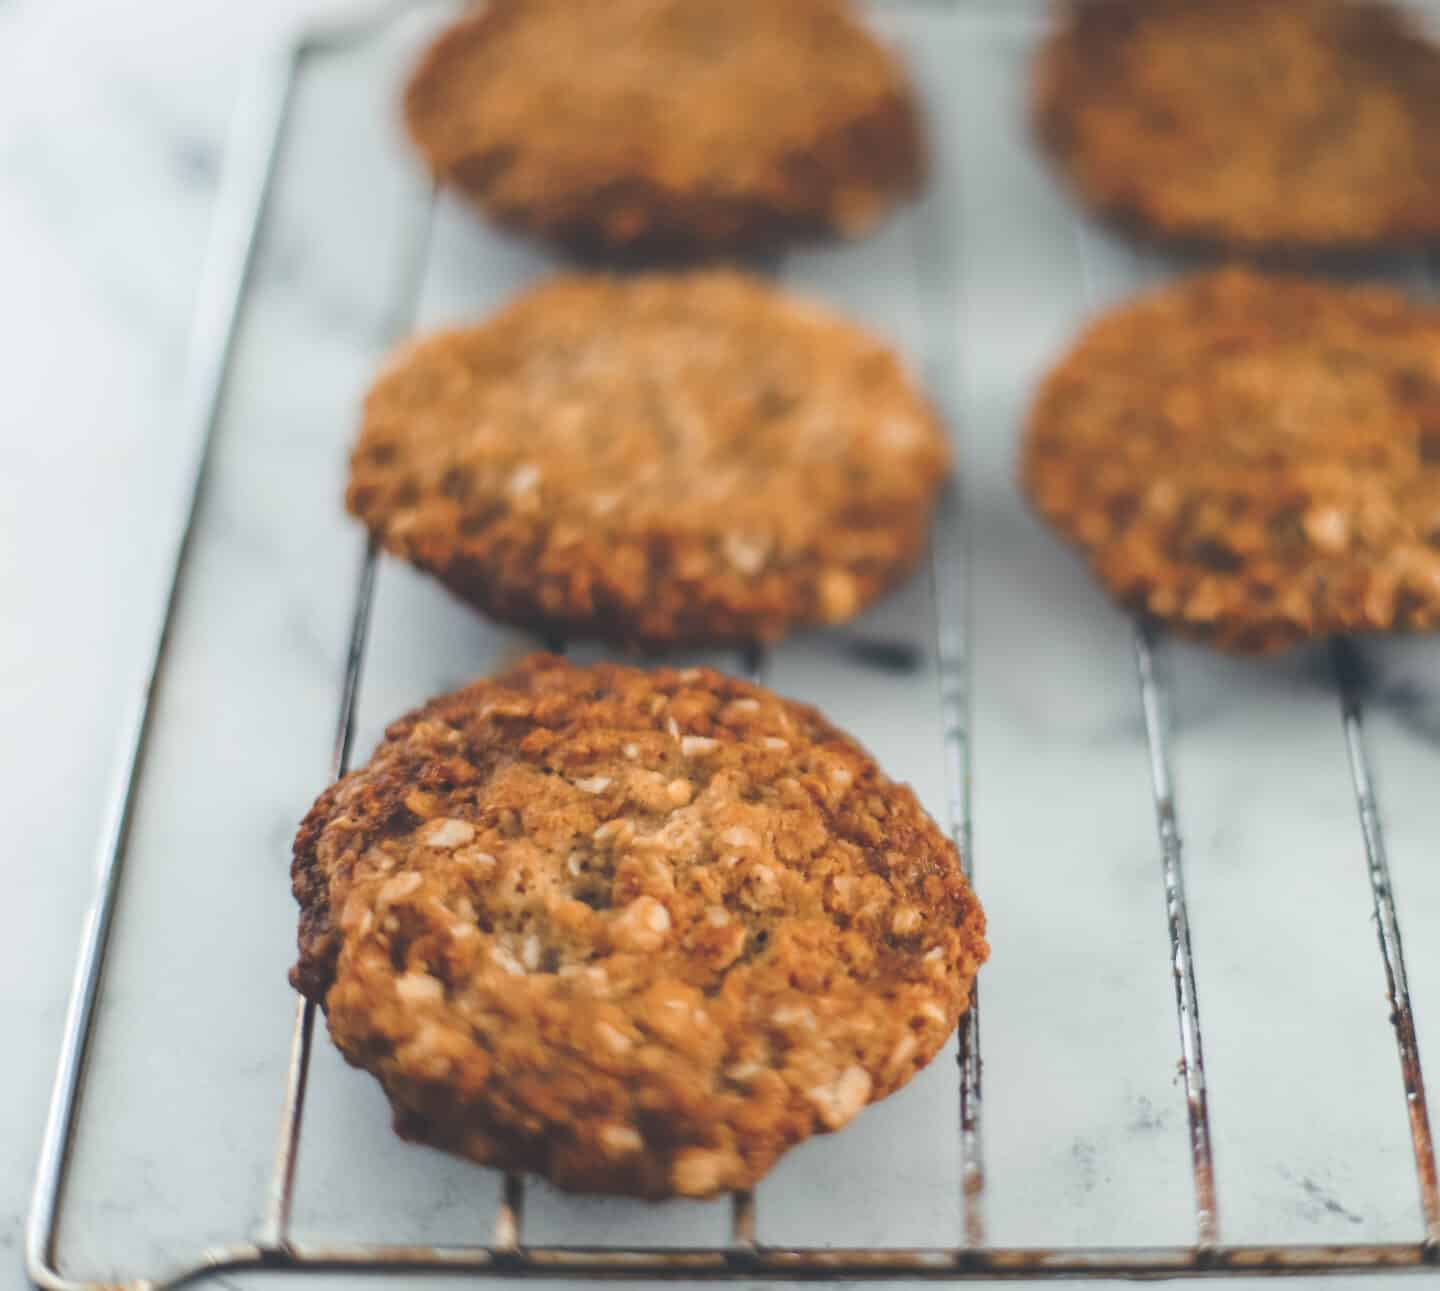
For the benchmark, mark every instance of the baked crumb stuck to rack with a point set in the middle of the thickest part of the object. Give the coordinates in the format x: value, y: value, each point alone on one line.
x: 259, y: 156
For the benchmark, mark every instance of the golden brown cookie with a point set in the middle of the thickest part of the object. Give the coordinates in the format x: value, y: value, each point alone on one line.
x: 1252, y: 458
x: 658, y: 459
x: 638, y: 932
x: 668, y: 126
x: 1253, y: 123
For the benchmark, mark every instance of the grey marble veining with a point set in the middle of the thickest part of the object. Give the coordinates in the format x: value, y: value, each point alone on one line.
x: 980, y: 285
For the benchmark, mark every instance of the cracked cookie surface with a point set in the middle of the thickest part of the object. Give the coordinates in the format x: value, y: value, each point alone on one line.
x: 659, y: 460
x: 1252, y: 458
x: 1261, y: 124
x: 637, y: 932
x: 668, y: 126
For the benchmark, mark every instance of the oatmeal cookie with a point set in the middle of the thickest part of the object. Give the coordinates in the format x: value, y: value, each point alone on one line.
x: 668, y: 126
x: 1259, y: 124
x: 1252, y: 458
x: 638, y: 932
x: 657, y: 460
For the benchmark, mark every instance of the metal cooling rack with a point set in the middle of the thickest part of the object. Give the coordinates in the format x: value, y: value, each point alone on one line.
x: 243, y: 208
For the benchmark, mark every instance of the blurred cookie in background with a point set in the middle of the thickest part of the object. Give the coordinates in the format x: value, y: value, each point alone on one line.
x: 1253, y: 124
x: 1251, y: 458
x: 668, y: 127
x: 655, y: 460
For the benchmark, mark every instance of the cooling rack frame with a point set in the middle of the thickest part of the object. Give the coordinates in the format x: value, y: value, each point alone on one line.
x: 252, y: 162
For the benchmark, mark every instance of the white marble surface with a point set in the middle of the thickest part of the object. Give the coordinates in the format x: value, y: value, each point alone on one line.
x: 111, y: 117
x: 111, y: 127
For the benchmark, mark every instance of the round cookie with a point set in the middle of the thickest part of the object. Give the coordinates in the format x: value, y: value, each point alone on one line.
x: 638, y: 932
x: 1254, y: 459
x: 668, y: 126
x: 656, y: 460
x: 1259, y: 124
